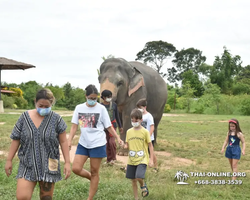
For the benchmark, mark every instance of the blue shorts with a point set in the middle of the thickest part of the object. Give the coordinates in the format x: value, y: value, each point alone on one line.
x: 136, y: 171
x: 98, y: 152
x: 233, y: 152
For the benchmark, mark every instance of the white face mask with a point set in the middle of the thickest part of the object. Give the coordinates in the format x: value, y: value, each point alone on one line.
x: 140, y: 109
x: 108, y: 99
x: 135, y: 124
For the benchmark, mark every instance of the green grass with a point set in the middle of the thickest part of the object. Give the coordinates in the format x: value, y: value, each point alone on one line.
x: 198, y: 138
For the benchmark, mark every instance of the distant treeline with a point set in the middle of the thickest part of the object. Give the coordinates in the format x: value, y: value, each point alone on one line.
x: 67, y: 97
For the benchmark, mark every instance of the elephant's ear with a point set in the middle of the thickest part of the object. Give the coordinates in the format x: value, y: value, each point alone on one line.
x: 135, y: 83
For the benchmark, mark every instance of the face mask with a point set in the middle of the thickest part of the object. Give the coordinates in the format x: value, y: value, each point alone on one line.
x: 140, y: 109
x: 135, y: 124
x: 91, y: 102
x: 108, y: 99
x: 43, y: 111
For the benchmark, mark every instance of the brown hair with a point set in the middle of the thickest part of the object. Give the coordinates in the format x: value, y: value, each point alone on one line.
x: 237, y: 124
x: 136, y: 114
x: 45, y: 93
x: 141, y: 102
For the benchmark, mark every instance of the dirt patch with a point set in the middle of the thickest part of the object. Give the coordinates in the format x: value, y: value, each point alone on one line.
x: 4, y: 153
x: 2, y: 123
x: 166, y: 160
x: 194, y: 140
x: 162, y: 153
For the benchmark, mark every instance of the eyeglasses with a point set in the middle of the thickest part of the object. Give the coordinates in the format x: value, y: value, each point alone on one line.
x: 92, y: 99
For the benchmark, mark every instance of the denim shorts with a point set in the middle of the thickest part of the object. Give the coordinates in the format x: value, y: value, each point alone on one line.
x: 98, y: 152
x: 136, y: 171
x: 233, y: 152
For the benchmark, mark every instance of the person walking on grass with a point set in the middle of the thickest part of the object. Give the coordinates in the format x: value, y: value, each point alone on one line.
x: 38, y: 134
x: 233, y: 151
x: 138, y: 141
x: 92, y: 142
x: 115, y: 120
x: 147, y: 123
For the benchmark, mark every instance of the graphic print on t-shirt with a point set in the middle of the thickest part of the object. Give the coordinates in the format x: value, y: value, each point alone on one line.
x: 136, y: 152
x: 144, y: 124
x: 88, y: 120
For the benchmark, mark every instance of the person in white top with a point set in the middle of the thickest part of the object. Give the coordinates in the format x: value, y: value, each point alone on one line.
x: 147, y: 123
x: 92, y: 118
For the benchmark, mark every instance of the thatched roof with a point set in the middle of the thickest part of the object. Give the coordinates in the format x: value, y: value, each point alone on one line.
x: 8, y: 64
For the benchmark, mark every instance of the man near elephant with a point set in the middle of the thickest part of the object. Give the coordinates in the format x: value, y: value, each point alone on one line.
x: 111, y: 107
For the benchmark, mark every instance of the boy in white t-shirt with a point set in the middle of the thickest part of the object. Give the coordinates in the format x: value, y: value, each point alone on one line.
x: 147, y: 123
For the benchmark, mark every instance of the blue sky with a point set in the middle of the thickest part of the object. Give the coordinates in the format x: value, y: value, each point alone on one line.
x: 65, y: 40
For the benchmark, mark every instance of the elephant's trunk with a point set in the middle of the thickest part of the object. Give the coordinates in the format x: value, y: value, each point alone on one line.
x: 107, y: 85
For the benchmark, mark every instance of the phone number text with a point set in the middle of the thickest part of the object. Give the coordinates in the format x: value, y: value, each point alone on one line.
x: 219, y: 182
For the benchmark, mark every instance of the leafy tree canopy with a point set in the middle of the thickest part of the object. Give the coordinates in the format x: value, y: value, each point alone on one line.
x: 185, y: 60
x: 155, y: 54
x: 224, y: 69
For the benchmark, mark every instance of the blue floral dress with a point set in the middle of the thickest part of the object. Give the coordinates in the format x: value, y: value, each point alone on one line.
x: 39, y: 153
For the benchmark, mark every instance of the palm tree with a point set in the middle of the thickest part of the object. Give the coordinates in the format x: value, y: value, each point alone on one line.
x: 178, y: 175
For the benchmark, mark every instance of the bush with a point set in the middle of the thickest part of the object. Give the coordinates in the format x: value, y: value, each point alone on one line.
x: 245, y: 106
x: 7, y: 101
x: 167, y: 108
x: 21, y: 102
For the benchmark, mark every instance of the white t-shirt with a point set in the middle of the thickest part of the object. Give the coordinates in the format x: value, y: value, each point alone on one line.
x: 92, y: 121
x: 147, y: 121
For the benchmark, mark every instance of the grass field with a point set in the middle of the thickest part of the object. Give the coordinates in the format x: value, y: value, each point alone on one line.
x: 196, y: 138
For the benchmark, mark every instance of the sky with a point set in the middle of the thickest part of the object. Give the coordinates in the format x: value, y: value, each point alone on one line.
x: 66, y: 40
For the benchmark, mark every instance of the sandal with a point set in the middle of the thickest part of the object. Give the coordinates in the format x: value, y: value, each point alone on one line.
x: 145, y: 191
x: 124, y: 169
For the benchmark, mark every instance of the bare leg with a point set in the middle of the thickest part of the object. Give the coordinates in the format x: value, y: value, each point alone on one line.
x: 235, y: 167
x: 231, y: 163
x: 46, y: 190
x: 78, y: 164
x: 135, y: 190
x: 95, y: 164
x: 25, y: 189
x: 155, y: 161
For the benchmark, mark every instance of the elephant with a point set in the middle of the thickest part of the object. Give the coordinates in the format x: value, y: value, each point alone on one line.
x: 129, y: 82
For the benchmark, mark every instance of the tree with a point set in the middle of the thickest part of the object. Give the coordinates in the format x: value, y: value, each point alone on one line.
x: 193, y: 79
x: 29, y: 91
x: 155, y: 54
x: 224, y: 69
x: 185, y: 60
x: 56, y: 90
x: 213, y: 93
x: 187, y: 95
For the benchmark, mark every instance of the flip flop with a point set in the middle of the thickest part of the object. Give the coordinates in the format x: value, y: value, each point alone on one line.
x: 145, y: 191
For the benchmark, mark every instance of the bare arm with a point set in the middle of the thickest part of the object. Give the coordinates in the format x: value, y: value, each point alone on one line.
x: 65, y: 150
x: 12, y: 151
x: 224, y: 144
x: 125, y: 145
x: 72, y: 133
x: 113, y: 132
x: 152, y: 128
x: 242, y: 139
x: 151, y: 150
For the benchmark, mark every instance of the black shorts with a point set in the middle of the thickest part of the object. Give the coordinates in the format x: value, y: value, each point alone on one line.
x: 136, y: 171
